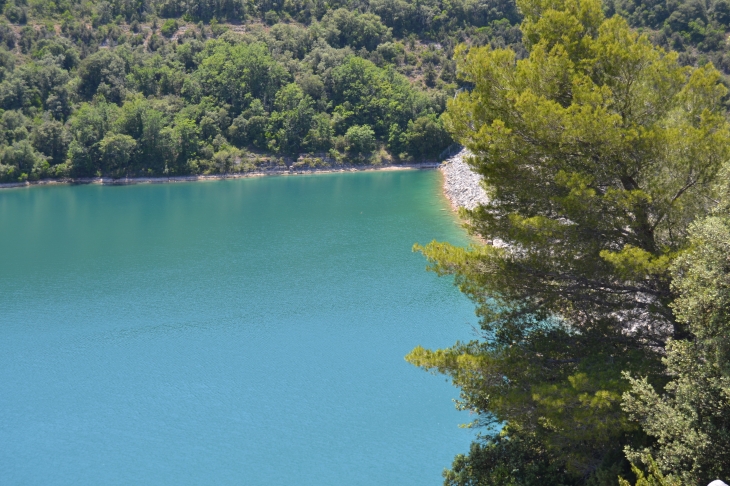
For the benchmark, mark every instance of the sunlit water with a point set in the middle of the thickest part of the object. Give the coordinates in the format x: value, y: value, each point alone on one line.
x: 231, y: 332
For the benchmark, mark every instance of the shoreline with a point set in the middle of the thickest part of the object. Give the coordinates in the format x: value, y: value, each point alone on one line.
x: 461, y: 186
x: 108, y: 181
x: 463, y: 189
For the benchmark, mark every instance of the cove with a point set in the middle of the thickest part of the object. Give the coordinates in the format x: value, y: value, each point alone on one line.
x: 230, y: 332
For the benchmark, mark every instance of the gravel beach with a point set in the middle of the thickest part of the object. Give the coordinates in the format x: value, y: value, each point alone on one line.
x: 462, y: 186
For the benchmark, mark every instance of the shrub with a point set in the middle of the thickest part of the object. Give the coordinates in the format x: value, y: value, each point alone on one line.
x: 169, y: 28
x: 360, y: 139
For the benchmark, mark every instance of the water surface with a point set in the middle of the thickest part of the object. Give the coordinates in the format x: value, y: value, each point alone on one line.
x: 230, y: 332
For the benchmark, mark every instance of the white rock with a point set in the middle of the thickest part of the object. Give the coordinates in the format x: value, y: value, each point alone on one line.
x: 462, y: 186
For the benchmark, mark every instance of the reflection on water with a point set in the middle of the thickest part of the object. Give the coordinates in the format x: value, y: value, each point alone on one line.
x: 247, y: 332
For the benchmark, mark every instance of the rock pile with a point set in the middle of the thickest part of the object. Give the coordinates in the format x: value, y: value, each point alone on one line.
x: 462, y: 186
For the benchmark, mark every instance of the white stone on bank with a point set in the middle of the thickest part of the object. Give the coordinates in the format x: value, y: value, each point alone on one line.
x: 462, y: 187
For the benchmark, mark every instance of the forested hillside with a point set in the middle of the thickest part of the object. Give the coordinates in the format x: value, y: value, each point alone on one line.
x: 156, y: 87
x: 152, y: 88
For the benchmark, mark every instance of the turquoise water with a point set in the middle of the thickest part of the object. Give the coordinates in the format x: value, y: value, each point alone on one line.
x: 230, y: 332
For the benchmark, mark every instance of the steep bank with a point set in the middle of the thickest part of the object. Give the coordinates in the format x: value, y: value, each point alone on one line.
x: 462, y: 186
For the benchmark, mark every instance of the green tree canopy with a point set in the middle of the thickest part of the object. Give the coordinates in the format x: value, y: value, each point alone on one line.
x: 116, y: 151
x: 346, y: 28
x: 360, y: 139
x: 237, y: 74
x: 105, y: 71
x: 691, y: 420
x: 597, y: 152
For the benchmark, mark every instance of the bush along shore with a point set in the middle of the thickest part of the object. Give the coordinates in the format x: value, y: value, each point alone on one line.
x: 301, y: 166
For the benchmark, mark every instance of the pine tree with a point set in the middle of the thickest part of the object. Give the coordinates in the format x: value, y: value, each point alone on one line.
x: 598, y: 151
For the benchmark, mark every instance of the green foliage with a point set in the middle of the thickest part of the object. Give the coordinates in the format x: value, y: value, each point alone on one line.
x: 28, y: 163
x: 507, y: 459
x: 597, y: 150
x: 51, y: 138
x: 104, y: 73
x: 360, y: 89
x: 346, y: 28
x: 211, y: 74
x: 116, y: 150
x: 425, y: 137
x: 695, y: 29
x: 360, y: 139
x: 236, y: 74
x: 169, y: 27
x: 232, y: 10
x: 654, y: 478
x: 195, y: 97
x: 691, y: 419
x: 291, y: 119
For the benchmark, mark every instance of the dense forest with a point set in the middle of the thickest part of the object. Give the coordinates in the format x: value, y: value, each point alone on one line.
x: 156, y: 87
x: 152, y: 88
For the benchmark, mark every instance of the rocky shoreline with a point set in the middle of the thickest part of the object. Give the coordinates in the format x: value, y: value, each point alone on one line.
x: 213, y: 177
x: 462, y: 187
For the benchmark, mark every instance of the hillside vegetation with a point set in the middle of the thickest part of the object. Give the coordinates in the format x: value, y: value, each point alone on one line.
x: 127, y: 88
x: 154, y: 88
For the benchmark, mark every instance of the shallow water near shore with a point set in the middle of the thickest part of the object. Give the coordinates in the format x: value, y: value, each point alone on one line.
x: 244, y: 331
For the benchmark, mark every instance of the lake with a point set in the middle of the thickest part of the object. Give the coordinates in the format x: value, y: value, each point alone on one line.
x: 246, y: 331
